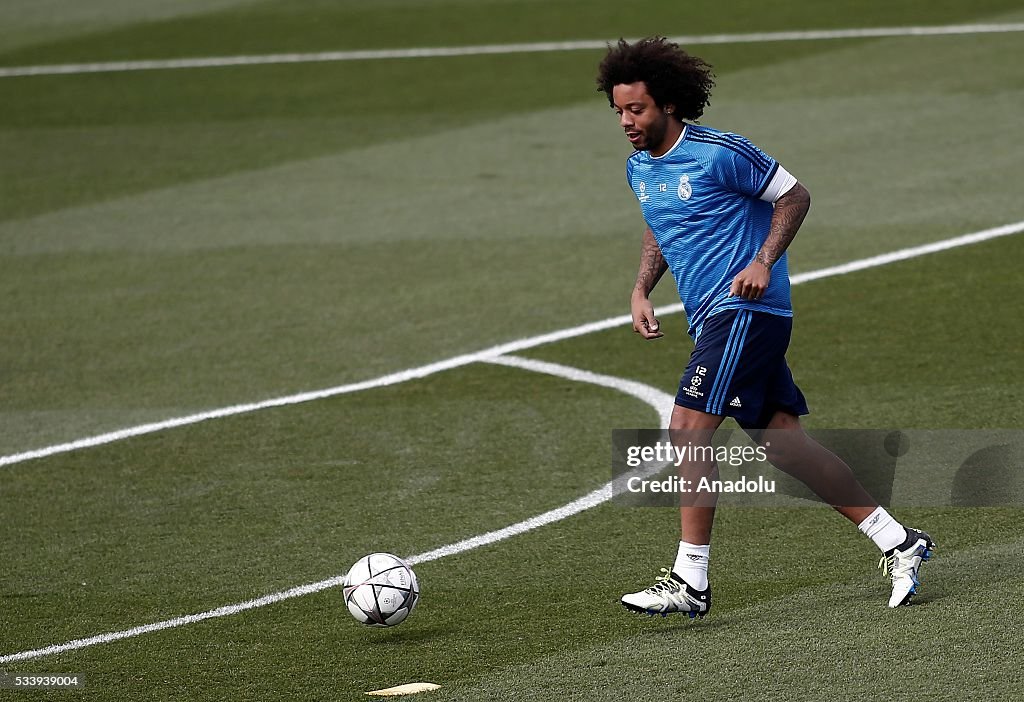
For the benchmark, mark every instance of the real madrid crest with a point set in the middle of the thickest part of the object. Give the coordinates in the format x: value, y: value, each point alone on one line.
x: 685, y: 191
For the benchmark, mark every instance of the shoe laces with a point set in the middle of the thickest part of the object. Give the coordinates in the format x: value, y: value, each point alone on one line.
x: 895, y: 567
x: 665, y: 583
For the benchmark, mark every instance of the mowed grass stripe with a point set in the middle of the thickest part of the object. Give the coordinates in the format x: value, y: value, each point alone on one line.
x: 492, y: 49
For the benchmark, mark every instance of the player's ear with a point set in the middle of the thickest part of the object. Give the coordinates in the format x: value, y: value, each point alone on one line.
x: 669, y: 109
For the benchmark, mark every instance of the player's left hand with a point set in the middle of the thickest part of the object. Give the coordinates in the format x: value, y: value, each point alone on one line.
x: 751, y: 282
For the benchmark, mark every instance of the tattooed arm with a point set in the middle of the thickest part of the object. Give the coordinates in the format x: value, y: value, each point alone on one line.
x: 790, y: 210
x: 652, y: 267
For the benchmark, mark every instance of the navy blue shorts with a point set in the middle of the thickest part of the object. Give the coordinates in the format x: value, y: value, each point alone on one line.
x: 738, y: 369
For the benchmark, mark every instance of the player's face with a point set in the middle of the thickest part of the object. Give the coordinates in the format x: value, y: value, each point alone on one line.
x: 646, y: 125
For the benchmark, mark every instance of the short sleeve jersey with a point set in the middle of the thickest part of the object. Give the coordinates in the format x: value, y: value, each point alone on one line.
x: 708, y: 201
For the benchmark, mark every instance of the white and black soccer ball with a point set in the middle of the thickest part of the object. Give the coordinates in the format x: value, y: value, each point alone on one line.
x: 381, y: 590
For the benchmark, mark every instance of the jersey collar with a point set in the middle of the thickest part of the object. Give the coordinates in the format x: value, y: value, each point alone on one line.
x: 682, y: 135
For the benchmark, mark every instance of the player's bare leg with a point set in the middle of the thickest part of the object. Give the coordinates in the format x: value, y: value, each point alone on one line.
x: 792, y: 451
x: 696, y: 510
x: 685, y: 588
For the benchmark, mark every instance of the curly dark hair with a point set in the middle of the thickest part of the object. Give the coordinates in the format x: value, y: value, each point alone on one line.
x: 672, y: 76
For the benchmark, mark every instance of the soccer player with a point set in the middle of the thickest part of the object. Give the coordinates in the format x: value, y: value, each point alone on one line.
x: 720, y: 214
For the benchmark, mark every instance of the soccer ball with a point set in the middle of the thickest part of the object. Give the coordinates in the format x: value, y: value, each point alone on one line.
x: 381, y: 590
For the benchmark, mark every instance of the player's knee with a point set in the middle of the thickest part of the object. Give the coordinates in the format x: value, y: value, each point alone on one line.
x: 686, y: 419
x: 784, y: 448
x: 784, y: 421
x: 779, y: 453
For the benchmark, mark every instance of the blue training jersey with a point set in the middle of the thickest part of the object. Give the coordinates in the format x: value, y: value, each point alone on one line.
x: 708, y: 201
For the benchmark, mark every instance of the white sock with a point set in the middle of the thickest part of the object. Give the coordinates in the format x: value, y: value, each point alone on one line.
x: 692, y: 564
x: 885, y: 531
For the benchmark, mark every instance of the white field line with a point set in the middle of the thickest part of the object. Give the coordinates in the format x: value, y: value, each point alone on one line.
x: 659, y: 401
x: 913, y: 252
x: 173, y: 623
x: 490, y: 49
x: 485, y: 354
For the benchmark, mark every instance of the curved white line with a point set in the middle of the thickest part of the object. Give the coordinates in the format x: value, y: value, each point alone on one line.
x: 490, y: 49
x: 661, y: 403
x: 487, y: 354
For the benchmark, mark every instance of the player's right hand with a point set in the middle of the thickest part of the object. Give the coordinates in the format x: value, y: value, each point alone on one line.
x: 644, y: 322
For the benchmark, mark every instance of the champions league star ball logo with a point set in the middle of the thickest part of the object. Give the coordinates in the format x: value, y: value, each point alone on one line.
x: 684, y: 191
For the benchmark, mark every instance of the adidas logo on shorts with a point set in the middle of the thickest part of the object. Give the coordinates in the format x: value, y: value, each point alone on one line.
x: 736, y: 402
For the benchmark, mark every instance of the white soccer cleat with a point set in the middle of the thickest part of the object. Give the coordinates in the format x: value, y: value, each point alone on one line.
x: 902, y: 563
x: 669, y: 594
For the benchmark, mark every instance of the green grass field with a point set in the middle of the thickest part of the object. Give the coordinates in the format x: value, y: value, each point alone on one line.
x: 176, y: 241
